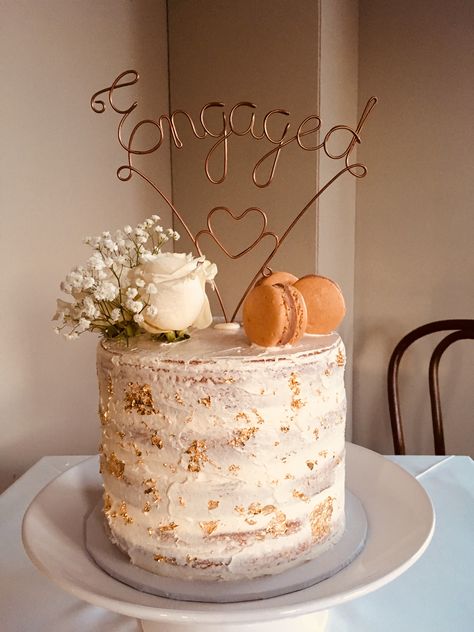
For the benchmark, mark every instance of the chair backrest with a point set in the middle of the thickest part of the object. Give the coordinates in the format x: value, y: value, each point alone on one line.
x: 460, y: 329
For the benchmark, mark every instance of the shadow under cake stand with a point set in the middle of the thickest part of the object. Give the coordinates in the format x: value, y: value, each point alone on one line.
x: 400, y: 522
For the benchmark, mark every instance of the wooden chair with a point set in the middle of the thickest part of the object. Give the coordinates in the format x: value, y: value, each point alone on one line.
x: 461, y: 329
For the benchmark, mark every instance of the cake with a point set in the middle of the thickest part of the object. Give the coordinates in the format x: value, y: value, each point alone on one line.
x: 222, y: 460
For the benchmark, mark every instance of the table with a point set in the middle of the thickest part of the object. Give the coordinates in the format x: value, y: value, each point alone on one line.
x: 435, y: 595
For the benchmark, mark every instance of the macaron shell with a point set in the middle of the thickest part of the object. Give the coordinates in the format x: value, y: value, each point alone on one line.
x: 274, y: 315
x: 324, y: 302
x: 278, y: 277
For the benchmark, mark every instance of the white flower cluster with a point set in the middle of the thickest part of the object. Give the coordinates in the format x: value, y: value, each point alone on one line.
x: 107, y: 297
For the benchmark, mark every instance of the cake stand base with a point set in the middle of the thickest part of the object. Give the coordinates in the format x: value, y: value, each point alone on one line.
x: 315, y: 622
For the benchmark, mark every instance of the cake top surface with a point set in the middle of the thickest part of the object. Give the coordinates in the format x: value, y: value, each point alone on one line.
x: 211, y: 345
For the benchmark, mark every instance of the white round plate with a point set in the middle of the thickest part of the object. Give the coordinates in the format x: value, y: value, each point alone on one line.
x: 399, y: 513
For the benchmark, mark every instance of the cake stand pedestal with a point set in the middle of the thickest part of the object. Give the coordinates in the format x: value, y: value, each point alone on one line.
x: 401, y: 523
x: 315, y: 622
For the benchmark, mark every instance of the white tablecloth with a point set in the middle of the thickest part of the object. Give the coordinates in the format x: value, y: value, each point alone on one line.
x: 435, y: 595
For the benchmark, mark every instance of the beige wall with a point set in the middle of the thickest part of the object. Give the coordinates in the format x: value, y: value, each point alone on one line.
x: 415, y: 219
x: 58, y: 184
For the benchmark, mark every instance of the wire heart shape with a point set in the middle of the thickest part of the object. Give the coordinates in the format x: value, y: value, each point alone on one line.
x: 211, y: 231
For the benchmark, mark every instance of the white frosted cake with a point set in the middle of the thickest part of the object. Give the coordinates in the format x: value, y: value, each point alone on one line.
x: 222, y: 460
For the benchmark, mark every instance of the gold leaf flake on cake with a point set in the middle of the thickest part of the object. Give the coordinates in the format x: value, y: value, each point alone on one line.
x: 340, y: 359
x: 163, y: 559
x: 150, y: 488
x: 300, y: 496
x: 289, y: 477
x: 137, y: 450
x: 212, y: 504
x: 242, y: 417
x: 113, y: 465
x: 197, y: 452
x: 150, y: 531
x: 260, y: 419
x: 239, y: 509
x: 138, y: 398
x: 316, y: 433
x: 320, y: 519
x: 323, y: 453
x: 123, y: 513
x: 146, y: 507
x: 250, y: 521
x: 167, y: 528
x: 284, y: 428
x: 107, y: 504
x: 295, y: 388
x: 156, y: 441
x: 277, y: 525
x: 209, y: 526
x: 103, y: 416
x: 241, y: 436
x: 233, y: 469
x: 310, y: 464
x: 110, y: 386
x: 179, y: 399
x: 205, y: 401
x: 181, y: 501
x: 257, y: 509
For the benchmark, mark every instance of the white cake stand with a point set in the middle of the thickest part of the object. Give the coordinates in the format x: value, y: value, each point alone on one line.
x: 401, y: 524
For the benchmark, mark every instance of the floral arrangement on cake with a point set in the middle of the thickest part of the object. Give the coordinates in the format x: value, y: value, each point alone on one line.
x: 129, y: 286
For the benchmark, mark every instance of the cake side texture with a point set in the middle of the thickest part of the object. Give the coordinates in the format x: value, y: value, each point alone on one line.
x: 222, y: 460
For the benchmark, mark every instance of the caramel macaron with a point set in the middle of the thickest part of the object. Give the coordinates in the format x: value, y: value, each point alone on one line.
x: 278, y: 277
x: 324, y: 302
x: 274, y: 315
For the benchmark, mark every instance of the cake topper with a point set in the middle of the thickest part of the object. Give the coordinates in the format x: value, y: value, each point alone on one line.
x: 309, y: 127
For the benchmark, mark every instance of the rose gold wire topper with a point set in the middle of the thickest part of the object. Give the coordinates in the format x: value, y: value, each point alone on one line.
x: 311, y: 125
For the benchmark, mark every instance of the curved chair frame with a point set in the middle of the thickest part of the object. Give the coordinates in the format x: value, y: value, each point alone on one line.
x: 461, y: 329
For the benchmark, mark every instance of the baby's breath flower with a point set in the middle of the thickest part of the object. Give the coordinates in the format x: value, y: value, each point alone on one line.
x: 105, y: 295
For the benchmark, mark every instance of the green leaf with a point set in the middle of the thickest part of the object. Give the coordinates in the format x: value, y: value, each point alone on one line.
x: 171, y: 336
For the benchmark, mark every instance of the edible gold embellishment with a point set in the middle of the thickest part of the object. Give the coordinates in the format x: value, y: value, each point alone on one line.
x: 197, y: 452
x: 156, y: 440
x: 250, y: 521
x: 300, y: 495
x: 205, y: 401
x: 256, y: 509
x: 316, y: 433
x: 103, y: 416
x: 179, y: 399
x: 146, y: 507
x: 209, y: 527
x: 114, y: 465
x: 163, y: 559
x: 242, y: 417
x: 340, y: 359
x: 233, y: 469
x: 181, y: 501
x: 310, y: 464
x: 212, y: 504
x: 107, y: 504
x: 277, y: 525
x: 138, y: 397
x: 284, y: 428
x: 294, y: 385
x: 323, y: 453
x: 150, y: 485
x: 167, y: 528
x: 123, y: 513
x: 242, y: 435
x: 320, y: 519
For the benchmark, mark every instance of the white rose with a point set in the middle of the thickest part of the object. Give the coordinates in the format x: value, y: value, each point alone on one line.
x: 180, y: 299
